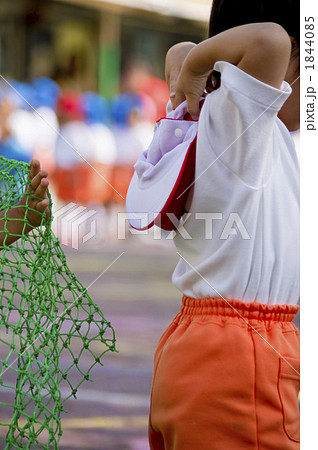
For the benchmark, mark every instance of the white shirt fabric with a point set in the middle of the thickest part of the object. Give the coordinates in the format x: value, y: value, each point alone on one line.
x: 74, y: 145
x: 144, y: 133
x: 129, y: 147
x: 47, y: 128
x: 247, y: 175
x: 105, y: 151
x: 22, y: 125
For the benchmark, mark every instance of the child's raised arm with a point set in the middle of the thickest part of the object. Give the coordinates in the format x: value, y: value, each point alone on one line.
x: 174, y: 60
x: 12, y: 224
x: 262, y: 50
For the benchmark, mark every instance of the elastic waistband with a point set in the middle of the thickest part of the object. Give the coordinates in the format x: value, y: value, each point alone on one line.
x: 234, y: 308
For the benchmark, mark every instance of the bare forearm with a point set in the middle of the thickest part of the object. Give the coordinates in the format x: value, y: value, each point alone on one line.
x: 28, y: 213
x: 174, y: 60
x: 260, y: 49
x: 12, y: 225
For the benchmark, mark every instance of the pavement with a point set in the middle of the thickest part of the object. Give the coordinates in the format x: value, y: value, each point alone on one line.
x: 136, y: 295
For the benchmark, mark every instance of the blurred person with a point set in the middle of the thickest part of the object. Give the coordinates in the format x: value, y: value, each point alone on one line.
x: 97, y: 117
x: 141, y: 121
x: 9, y: 146
x: 21, y: 121
x: 138, y: 78
x: 74, y: 150
x: 226, y: 371
x: 126, y: 114
x: 46, y: 123
x: 149, y: 108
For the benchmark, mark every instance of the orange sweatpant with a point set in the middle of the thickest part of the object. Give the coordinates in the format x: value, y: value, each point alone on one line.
x: 227, y: 379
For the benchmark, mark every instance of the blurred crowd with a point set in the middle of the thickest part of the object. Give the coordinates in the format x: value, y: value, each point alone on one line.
x: 88, y: 144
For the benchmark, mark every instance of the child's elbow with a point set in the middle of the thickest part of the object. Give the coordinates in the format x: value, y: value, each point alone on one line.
x: 273, y: 41
x: 268, y: 55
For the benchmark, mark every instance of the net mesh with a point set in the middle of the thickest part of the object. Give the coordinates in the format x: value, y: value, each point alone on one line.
x: 44, y: 312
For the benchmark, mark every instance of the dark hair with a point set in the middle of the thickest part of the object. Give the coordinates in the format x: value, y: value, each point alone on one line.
x: 227, y: 14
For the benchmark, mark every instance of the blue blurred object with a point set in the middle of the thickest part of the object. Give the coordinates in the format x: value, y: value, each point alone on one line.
x: 11, y: 149
x: 22, y: 96
x: 123, y: 105
x: 96, y: 108
x: 47, y: 92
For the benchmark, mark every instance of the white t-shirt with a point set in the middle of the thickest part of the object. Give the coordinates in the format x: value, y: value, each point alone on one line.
x: 23, y: 128
x: 74, y: 145
x: 47, y: 128
x: 105, y: 151
x: 241, y: 238
x: 129, y: 147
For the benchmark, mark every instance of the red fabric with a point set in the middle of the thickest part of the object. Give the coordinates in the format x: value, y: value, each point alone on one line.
x: 176, y: 202
x: 83, y: 184
x: 70, y: 105
x: 158, y: 90
x: 121, y: 180
x: 100, y: 183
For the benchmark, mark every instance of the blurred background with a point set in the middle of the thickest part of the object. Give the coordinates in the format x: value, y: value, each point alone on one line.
x: 90, y: 44
x: 81, y: 87
x: 83, y: 82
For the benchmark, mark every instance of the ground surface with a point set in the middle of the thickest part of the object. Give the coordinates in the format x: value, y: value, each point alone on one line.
x: 137, y: 296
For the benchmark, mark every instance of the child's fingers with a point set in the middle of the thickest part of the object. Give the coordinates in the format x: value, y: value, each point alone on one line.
x: 191, y: 87
x: 193, y: 103
x: 35, y: 168
x: 37, y: 179
x: 42, y: 205
x: 172, y: 84
x: 40, y: 191
x: 179, y: 98
x: 193, y: 107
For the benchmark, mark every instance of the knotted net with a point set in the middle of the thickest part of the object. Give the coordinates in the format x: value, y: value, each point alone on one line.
x: 44, y: 311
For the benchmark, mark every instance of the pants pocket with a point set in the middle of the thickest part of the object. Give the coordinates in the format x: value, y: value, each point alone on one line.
x: 288, y: 390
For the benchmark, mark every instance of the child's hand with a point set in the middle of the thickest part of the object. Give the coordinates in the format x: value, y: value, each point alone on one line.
x: 174, y: 61
x: 191, y: 87
x: 38, y: 188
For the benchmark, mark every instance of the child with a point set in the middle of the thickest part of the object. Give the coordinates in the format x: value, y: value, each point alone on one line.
x: 37, y: 204
x: 226, y: 371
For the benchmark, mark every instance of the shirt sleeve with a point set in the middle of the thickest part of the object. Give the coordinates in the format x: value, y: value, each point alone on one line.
x: 238, y: 121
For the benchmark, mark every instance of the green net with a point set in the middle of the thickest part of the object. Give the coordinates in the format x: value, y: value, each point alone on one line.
x: 44, y: 311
